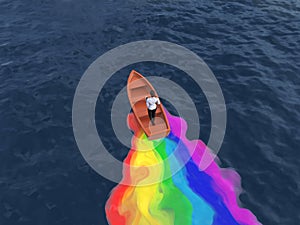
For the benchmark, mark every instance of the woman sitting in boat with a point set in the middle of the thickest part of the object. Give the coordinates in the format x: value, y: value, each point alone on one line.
x: 152, y: 103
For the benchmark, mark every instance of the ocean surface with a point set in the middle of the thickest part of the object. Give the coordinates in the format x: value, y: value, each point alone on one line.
x: 253, y: 48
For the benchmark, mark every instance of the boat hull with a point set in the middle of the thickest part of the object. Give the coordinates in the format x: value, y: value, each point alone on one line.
x: 138, y: 88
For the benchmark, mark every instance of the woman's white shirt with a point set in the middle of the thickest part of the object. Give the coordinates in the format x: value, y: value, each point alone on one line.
x: 151, y: 102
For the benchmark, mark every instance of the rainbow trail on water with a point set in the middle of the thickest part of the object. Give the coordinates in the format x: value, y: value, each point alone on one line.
x: 190, y: 196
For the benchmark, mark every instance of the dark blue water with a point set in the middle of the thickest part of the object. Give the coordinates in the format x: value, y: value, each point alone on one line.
x: 45, y: 47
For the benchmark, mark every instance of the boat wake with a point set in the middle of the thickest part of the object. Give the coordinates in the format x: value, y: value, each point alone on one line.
x: 168, y: 190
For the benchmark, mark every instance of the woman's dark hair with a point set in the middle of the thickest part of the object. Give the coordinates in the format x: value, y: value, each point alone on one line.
x: 152, y: 93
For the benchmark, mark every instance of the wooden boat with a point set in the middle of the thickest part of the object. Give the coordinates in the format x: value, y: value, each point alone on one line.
x: 138, y: 88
